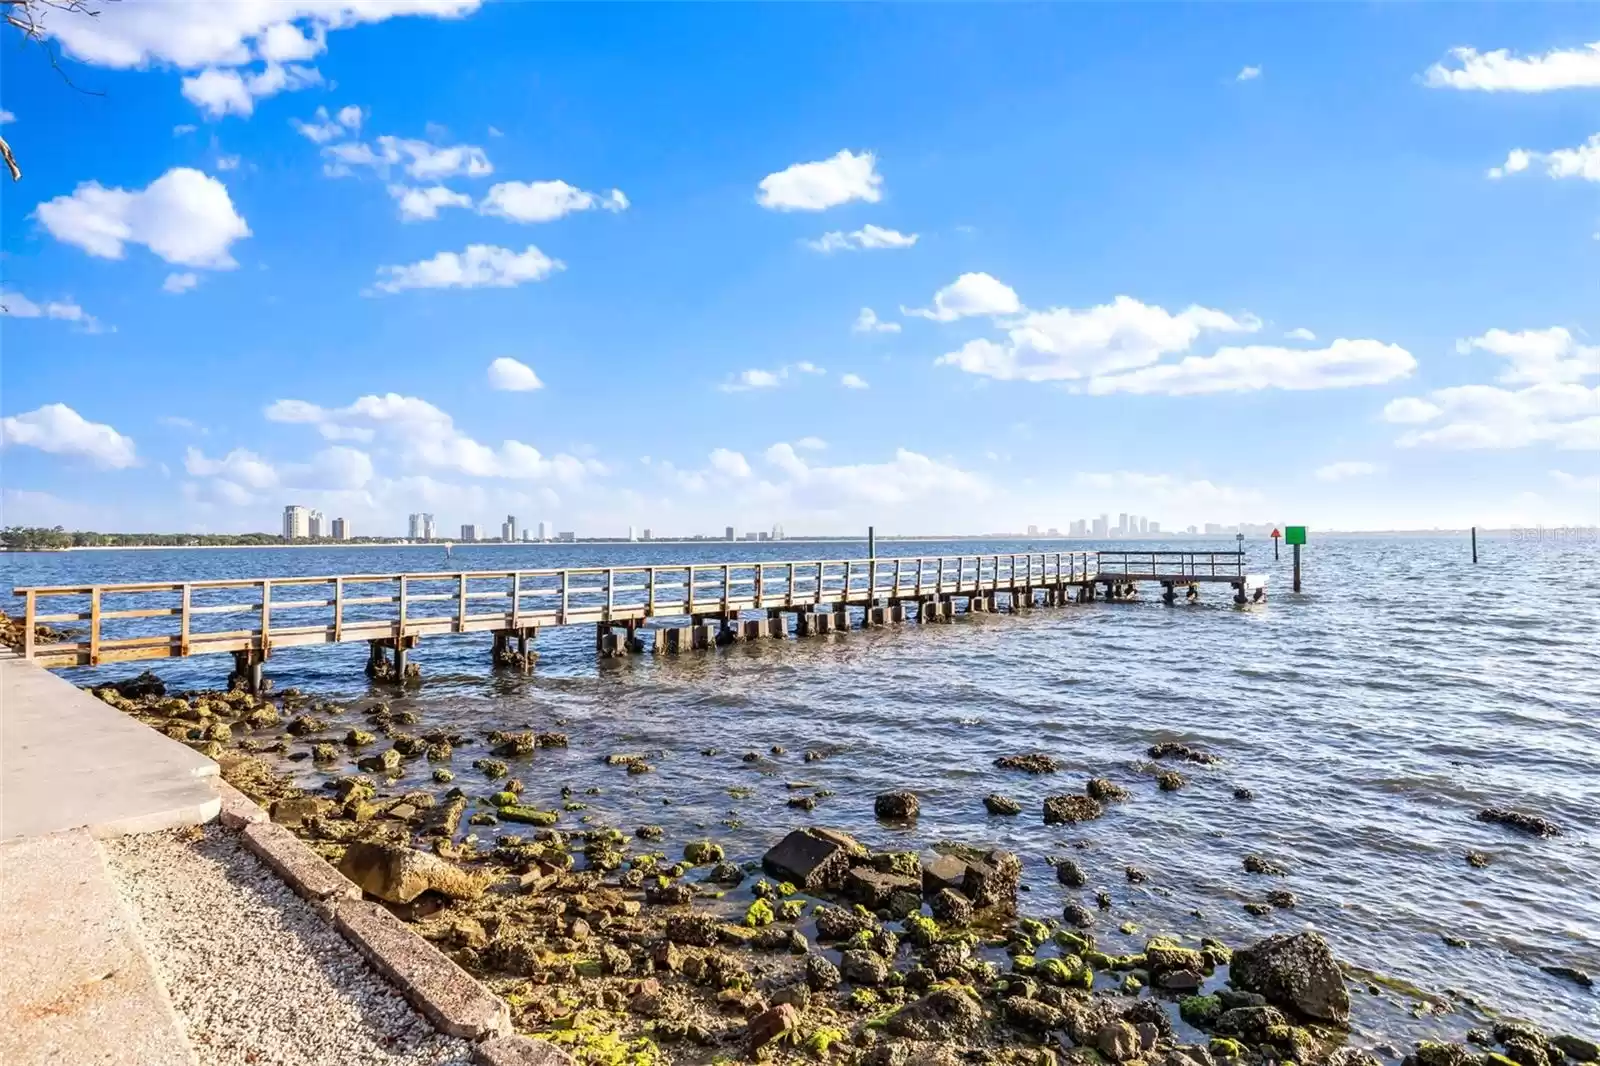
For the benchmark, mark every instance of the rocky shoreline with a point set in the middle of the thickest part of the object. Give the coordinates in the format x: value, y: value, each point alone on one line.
x: 623, y: 949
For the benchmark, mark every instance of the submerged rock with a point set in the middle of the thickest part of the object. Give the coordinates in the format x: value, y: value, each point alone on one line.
x: 1031, y: 764
x: 1001, y: 805
x: 1298, y: 972
x: 897, y: 806
x: 1069, y: 810
x: 1104, y: 790
x: 1069, y: 873
x: 1169, y: 749
x: 1170, y: 780
x: 1532, y: 824
x: 134, y: 688
x: 813, y: 858
x: 1257, y: 864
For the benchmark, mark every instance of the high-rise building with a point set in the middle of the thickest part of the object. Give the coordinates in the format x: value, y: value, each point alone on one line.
x: 527, y: 536
x: 1155, y: 527
x: 1100, y: 525
x: 727, y: 534
x: 469, y: 533
x: 341, y: 529
x: 567, y: 538
x: 1144, y: 524
x: 1033, y: 531
x: 1191, y: 531
x: 1213, y: 528
x: 777, y: 532
x: 421, y: 526
x: 296, y: 522
x: 1080, y: 528
x: 1122, y: 525
x: 646, y: 535
x: 508, y: 529
x: 314, y: 525
x: 630, y: 534
x: 544, y: 531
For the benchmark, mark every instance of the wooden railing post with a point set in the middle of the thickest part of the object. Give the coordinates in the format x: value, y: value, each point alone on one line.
x: 650, y: 591
x: 688, y: 592
x: 561, y: 615
x: 516, y: 599
x: 400, y: 622
x: 27, y: 621
x: 611, y: 585
x: 183, y: 620
x: 94, y: 628
x: 759, y: 589
x: 266, y: 617
x: 338, y: 610
x: 727, y: 586
x: 461, y: 603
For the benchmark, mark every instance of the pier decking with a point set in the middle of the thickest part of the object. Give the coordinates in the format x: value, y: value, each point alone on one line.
x: 392, y: 612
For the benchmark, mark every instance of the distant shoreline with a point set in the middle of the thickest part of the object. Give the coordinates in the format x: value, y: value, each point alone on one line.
x: 1549, y: 532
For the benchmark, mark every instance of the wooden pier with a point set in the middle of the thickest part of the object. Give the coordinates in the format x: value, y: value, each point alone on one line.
x: 687, y: 607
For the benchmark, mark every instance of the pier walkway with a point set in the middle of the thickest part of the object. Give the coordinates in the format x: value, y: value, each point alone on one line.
x: 688, y: 607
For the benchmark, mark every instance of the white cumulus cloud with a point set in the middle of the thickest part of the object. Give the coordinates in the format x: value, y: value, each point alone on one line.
x: 869, y: 322
x: 59, y: 430
x: 417, y: 204
x: 545, y: 201
x: 1500, y: 71
x: 868, y: 237
x: 422, y: 160
x: 508, y: 375
x: 220, y: 92
x: 184, y: 216
x: 1341, y: 365
x: 1582, y: 161
x: 1064, y: 343
x: 853, y: 381
x: 970, y: 294
x: 1554, y: 407
x: 731, y: 463
x: 427, y: 438
x: 1248, y: 74
x: 1300, y: 334
x: 823, y: 184
x: 179, y: 283
x: 1536, y: 356
x: 478, y: 266
x: 324, y: 127
x: 16, y: 305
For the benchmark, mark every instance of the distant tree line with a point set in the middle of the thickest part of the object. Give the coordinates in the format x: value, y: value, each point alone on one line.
x: 40, y: 538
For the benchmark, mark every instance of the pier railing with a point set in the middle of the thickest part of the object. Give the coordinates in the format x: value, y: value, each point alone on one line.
x: 156, y: 620
x: 1173, y: 566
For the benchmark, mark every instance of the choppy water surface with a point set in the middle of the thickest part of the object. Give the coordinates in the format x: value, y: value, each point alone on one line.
x: 1373, y: 716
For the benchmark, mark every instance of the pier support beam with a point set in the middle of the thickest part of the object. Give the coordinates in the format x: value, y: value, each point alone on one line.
x: 897, y: 611
x: 379, y: 667
x: 247, y: 672
x: 752, y: 628
x: 841, y: 617
x: 727, y: 631
x: 510, y: 649
x: 777, y: 627
x: 1168, y: 596
x: 877, y: 616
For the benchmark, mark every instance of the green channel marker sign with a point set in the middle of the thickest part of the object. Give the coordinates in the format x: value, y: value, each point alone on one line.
x: 1294, y: 534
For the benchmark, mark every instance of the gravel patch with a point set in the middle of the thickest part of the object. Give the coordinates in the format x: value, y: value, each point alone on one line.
x: 257, y: 976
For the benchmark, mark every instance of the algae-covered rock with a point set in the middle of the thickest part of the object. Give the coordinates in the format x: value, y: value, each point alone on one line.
x: 400, y: 874
x: 1104, y: 790
x: 702, y: 853
x: 1201, y: 1012
x: 514, y: 812
x: 384, y: 762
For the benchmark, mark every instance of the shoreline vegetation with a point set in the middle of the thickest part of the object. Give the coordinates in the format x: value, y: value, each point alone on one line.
x: 55, y: 539
x: 644, y: 946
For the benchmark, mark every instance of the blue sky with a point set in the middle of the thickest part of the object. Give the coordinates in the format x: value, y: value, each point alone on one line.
x: 1334, y: 264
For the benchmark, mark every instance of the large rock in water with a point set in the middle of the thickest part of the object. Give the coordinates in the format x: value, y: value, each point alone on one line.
x: 813, y: 858
x: 1298, y: 972
x: 400, y: 875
